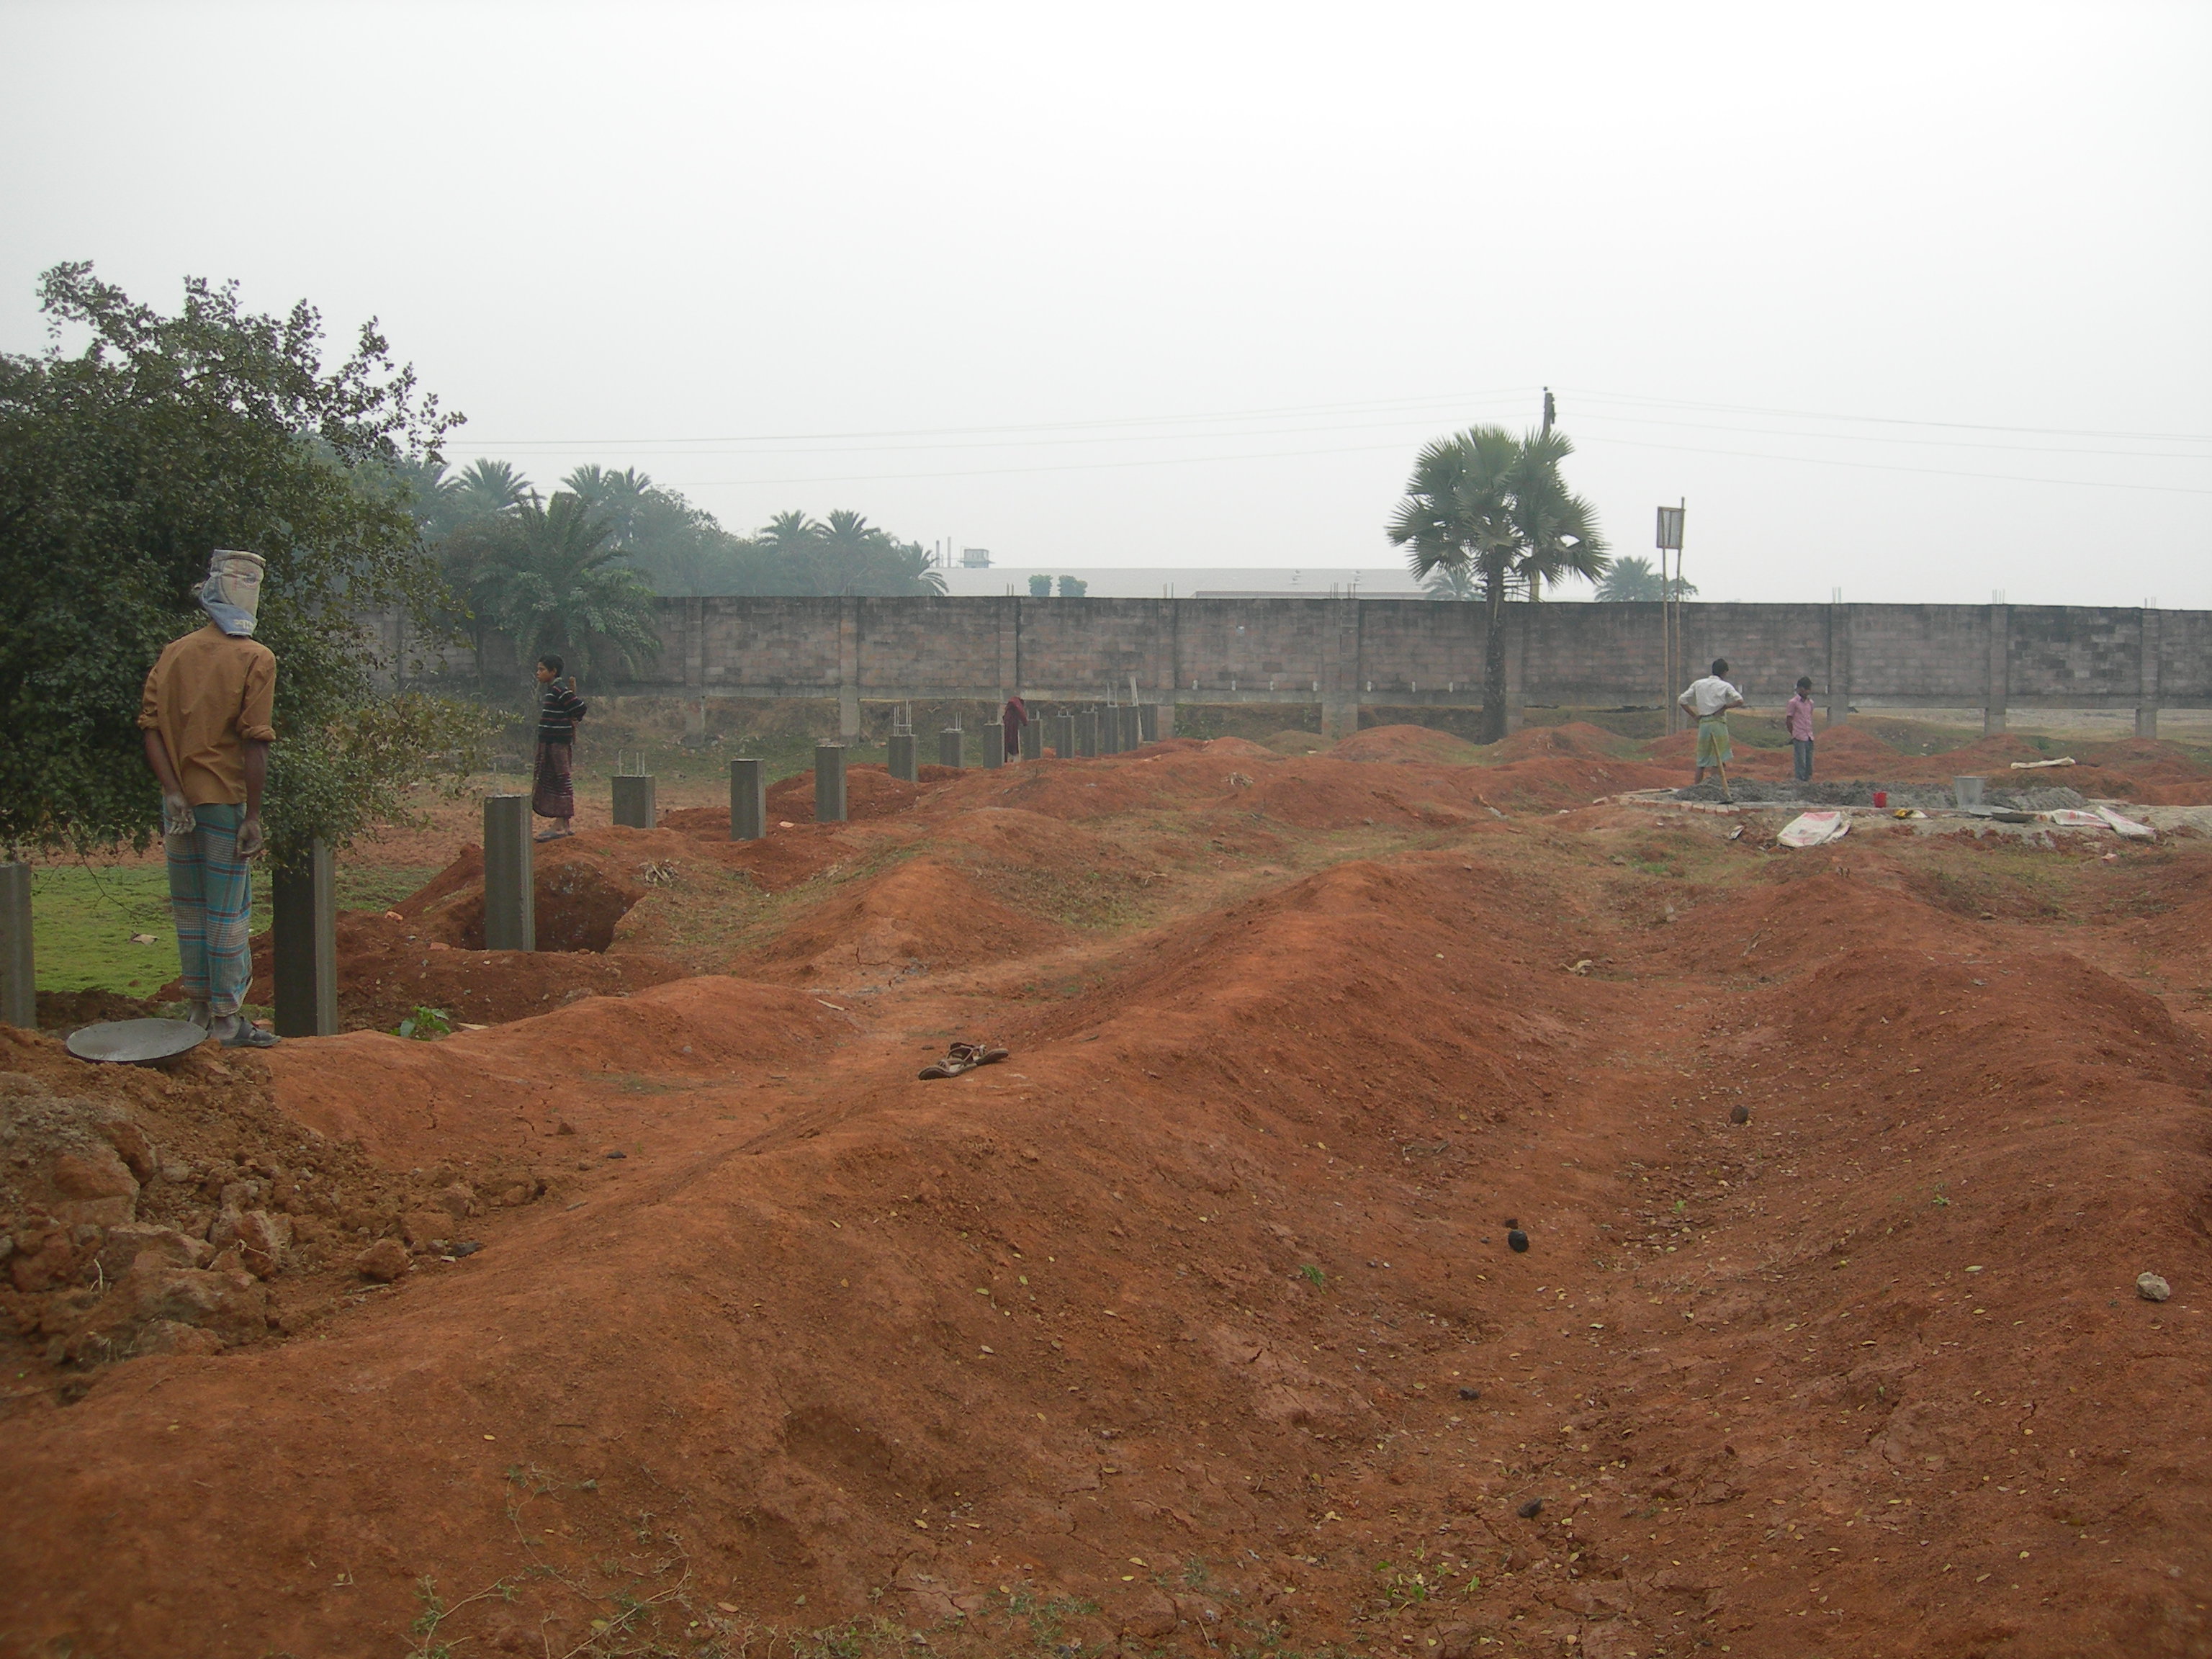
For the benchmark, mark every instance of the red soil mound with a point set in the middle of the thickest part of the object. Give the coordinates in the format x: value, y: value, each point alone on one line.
x: 581, y: 887
x: 919, y: 916
x: 1575, y: 740
x: 1420, y: 744
x: 871, y: 792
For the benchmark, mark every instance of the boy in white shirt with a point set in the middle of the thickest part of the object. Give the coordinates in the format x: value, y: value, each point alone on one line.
x: 1709, y: 699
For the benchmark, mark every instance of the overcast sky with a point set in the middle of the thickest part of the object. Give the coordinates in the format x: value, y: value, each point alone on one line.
x: 1909, y: 300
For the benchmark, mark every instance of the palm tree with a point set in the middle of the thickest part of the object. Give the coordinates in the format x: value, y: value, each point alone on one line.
x: 1450, y: 581
x: 1495, y: 507
x: 551, y: 581
x: 847, y: 546
x: 1632, y: 578
x: 617, y: 497
x: 488, y: 488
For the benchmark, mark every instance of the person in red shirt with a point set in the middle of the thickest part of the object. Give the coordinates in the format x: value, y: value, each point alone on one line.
x: 1798, y: 714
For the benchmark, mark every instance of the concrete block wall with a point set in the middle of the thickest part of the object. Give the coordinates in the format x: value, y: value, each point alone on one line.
x: 1416, y: 650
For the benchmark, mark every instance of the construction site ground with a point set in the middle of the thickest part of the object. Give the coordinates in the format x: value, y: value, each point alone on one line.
x: 662, y: 1308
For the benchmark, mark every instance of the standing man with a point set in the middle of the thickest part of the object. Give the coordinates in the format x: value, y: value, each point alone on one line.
x: 552, y: 781
x: 206, y: 713
x: 1797, y: 713
x: 1014, y: 716
x: 1709, y: 699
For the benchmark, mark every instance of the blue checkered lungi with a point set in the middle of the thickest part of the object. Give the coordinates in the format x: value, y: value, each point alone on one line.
x: 211, y: 896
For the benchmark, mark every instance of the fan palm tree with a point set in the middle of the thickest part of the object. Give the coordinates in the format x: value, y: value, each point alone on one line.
x: 1494, y: 505
x: 550, y: 580
x: 1450, y: 581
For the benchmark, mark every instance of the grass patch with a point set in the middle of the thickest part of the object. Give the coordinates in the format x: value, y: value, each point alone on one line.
x: 82, y: 916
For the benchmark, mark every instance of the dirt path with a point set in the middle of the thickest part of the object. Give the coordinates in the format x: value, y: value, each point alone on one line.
x: 1195, y: 1327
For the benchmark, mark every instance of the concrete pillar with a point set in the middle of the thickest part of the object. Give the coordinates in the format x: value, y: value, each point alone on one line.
x: 1063, y: 736
x: 848, y: 669
x: 995, y: 746
x: 1148, y: 723
x: 1032, y: 741
x: 1109, y: 730
x: 952, y: 747
x: 1340, y: 667
x: 19, y: 983
x: 1839, y: 665
x: 902, y: 756
x: 748, y: 800
x: 634, y: 803
x: 829, y: 783
x: 303, y: 936
x: 2147, y: 710
x: 1163, y: 722
x: 1086, y: 733
x: 510, y: 900
x: 2000, y: 648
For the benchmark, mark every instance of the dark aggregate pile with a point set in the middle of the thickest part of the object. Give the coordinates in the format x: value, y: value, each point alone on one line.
x: 1860, y: 793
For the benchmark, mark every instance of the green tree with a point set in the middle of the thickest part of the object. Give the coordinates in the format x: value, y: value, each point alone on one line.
x: 1495, y: 505
x: 1040, y: 588
x: 1632, y: 577
x: 123, y: 465
x: 488, y: 488
x: 1450, y: 581
x: 1073, y: 587
x: 550, y: 579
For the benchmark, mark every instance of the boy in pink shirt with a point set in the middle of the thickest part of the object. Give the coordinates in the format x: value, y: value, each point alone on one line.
x: 1798, y: 714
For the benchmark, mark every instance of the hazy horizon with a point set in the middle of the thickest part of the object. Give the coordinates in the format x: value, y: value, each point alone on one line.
x: 1905, y: 301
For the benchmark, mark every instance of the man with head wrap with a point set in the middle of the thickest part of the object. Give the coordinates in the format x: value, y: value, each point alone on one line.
x: 206, y: 716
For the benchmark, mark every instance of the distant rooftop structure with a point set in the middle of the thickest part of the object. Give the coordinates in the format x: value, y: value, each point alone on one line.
x: 975, y: 558
x: 1186, y: 582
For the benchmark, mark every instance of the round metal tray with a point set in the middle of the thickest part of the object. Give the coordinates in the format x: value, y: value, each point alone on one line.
x: 136, y: 1042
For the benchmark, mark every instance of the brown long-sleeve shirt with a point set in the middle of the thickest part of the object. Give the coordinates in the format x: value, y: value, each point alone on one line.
x: 209, y: 692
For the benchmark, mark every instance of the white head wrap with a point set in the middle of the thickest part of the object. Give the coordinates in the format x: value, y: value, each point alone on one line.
x: 231, y: 592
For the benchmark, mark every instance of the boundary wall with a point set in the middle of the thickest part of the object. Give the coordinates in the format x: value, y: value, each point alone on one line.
x: 1343, y: 653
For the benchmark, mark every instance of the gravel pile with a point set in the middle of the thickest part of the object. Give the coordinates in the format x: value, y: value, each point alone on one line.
x: 1860, y: 793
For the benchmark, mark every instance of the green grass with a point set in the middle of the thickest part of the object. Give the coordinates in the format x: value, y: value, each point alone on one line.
x: 82, y: 916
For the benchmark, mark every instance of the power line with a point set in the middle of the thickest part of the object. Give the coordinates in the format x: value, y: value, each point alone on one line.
x: 1895, y: 419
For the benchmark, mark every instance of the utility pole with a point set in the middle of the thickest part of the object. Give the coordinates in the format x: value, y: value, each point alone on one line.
x: 1669, y: 538
x: 1551, y: 411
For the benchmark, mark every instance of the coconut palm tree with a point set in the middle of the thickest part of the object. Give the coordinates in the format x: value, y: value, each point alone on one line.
x: 1495, y: 505
x: 549, y: 580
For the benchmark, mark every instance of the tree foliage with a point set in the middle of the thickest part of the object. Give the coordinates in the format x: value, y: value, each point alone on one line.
x: 550, y: 578
x: 1494, y: 506
x: 124, y: 463
x: 1632, y: 577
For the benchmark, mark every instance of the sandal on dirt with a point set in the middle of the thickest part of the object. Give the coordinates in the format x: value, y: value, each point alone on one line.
x: 553, y: 834
x: 963, y: 1057
x: 251, y: 1035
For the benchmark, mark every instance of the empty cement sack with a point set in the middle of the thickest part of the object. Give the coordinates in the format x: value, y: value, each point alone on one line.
x: 1814, y: 829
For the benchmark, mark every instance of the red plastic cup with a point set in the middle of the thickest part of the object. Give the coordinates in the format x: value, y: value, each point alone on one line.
x: 1882, y: 797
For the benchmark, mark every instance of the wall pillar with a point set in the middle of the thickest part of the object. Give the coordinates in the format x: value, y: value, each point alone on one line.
x: 510, y: 900
x: 2147, y: 710
x: 748, y: 800
x: 1032, y: 740
x: 303, y: 936
x: 1063, y: 735
x: 1340, y: 671
x: 19, y: 984
x: 829, y: 783
x: 1163, y: 722
x: 1839, y: 664
x: 2000, y: 649
x: 1086, y: 731
x: 995, y: 746
x: 848, y: 669
x: 1516, y: 643
x: 952, y: 747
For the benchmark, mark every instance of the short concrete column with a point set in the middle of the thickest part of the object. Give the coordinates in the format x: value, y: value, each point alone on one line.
x: 748, y: 800
x: 634, y: 803
x: 510, y: 902
x: 1063, y: 736
x: 1132, y: 728
x: 952, y: 747
x: 1086, y: 733
x: 1032, y: 740
x: 994, y: 739
x: 1162, y: 721
x: 303, y: 936
x: 19, y: 983
x: 1148, y: 723
x: 1109, y: 730
x: 2146, y: 722
x: 829, y: 783
x: 902, y: 757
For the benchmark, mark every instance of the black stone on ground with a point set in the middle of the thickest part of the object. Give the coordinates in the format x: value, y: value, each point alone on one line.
x: 1517, y: 1239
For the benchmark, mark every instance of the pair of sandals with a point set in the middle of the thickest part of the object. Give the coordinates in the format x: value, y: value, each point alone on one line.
x: 962, y: 1057
x: 553, y: 834
x: 247, y: 1036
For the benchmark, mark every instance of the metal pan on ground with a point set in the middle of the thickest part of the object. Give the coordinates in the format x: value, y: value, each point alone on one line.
x: 136, y: 1042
